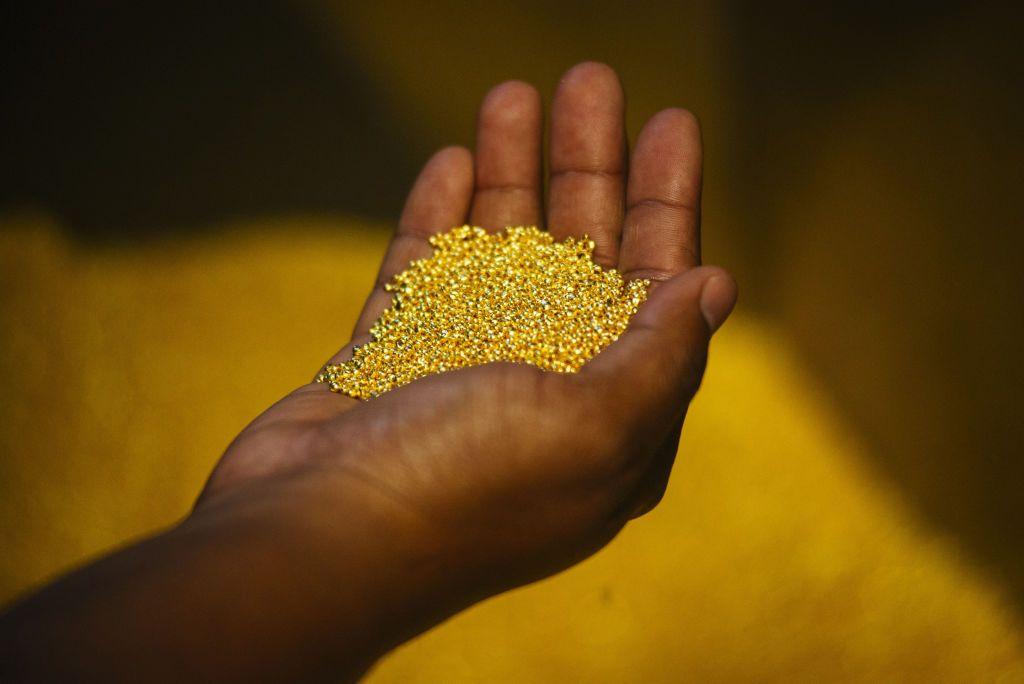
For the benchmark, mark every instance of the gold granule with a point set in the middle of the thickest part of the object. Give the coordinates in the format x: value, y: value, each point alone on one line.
x: 514, y: 296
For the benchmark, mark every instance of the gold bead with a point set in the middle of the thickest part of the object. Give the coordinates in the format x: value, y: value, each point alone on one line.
x: 512, y: 296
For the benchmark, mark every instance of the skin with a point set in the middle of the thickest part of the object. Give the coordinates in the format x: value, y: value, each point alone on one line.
x: 332, y: 529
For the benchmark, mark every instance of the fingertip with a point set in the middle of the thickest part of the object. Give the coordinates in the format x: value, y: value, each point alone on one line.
x: 672, y: 137
x: 453, y: 154
x: 589, y: 87
x: 453, y: 158
x: 717, y: 297
x: 678, y: 117
x: 671, y: 297
x: 588, y: 72
x: 446, y: 177
x: 511, y: 102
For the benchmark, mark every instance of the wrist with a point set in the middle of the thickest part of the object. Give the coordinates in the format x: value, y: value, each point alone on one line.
x: 361, y: 571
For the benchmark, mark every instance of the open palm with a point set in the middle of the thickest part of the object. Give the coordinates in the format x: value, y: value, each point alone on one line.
x: 514, y: 471
x: 333, y: 530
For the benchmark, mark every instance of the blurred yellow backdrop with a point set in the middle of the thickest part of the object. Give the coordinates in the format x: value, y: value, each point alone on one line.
x: 776, y: 554
x: 847, y: 503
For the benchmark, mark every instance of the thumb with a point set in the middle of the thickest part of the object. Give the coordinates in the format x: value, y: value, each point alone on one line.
x: 657, y: 364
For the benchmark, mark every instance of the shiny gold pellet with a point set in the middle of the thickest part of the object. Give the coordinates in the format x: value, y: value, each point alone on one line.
x: 514, y: 296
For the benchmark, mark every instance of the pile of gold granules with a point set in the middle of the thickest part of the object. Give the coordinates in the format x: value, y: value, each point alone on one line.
x: 514, y: 296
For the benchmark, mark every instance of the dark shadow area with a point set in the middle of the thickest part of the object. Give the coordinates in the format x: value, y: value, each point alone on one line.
x: 794, y: 62
x: 128, y: 121
x: 883, y: 167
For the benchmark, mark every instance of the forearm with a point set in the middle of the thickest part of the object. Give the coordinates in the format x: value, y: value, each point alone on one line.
x: 254, y: 587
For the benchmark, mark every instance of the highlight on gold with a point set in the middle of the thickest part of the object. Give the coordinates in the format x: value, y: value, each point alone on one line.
x: 482, y: 297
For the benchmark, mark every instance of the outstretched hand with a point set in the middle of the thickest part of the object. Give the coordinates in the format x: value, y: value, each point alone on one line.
x: 332, y: 529
x: 516, y: 471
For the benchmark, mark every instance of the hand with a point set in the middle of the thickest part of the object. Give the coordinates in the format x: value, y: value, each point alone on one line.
x: 333, y: 529
x: 515, y: 472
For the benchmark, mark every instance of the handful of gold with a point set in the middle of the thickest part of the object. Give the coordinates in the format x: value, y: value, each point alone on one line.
x: 481, y: 297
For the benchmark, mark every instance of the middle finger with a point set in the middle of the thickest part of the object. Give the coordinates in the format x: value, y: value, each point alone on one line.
x: 588, y: 159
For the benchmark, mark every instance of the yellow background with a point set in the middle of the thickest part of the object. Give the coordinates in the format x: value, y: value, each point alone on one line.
x: 776, y: 554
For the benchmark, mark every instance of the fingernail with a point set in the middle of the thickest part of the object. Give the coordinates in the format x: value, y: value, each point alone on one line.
x: 717, y: 298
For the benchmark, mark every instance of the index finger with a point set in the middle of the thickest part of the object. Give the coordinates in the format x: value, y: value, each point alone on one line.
x: 439, y: 200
